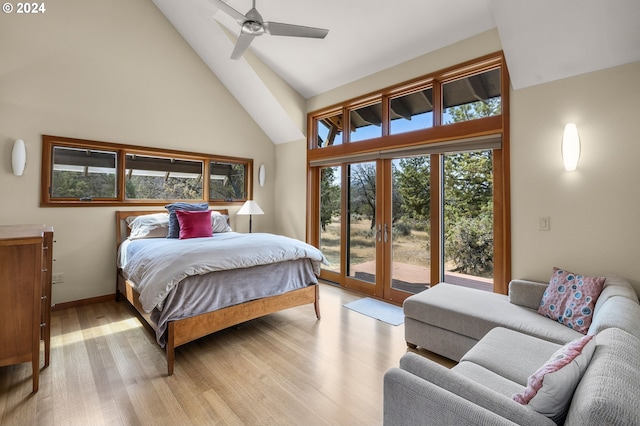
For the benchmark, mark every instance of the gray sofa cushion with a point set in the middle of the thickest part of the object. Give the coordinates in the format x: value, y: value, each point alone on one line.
x: 526, y: 293
x: 618, y: 312
x: 609, y: 392
x: 511, y: 354
x: 439, y: 340
x: 412, y: 401
x: 474, y: 313
x: 472, y: 392
x: 454, y: 395
x: 615, y: 285
x: 488, y: 378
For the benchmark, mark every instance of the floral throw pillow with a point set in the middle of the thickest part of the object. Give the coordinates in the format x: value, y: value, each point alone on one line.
x: 570, y: 299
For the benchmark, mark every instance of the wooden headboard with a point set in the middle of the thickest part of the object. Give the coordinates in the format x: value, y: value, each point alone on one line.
x: 122, y: 229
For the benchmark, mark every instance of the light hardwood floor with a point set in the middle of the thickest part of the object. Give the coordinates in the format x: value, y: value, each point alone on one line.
x: 283, y: 369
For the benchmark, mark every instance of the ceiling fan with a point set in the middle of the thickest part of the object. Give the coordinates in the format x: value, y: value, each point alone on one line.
x: 253, y: 26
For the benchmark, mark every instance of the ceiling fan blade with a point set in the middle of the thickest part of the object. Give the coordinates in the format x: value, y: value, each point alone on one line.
x: 241, y: 45
x: 229, y: 10
x: 280, y: 29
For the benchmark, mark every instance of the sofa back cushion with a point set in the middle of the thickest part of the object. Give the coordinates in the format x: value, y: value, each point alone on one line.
x: 615, y: 285
x: 609, y: 391
x: 619, y: 312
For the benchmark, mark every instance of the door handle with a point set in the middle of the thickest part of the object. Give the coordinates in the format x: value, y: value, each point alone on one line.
x: 386, y: 233
x: 379, y: 232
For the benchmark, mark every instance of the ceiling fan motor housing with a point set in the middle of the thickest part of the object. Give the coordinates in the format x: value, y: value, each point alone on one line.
x: 254, y: 28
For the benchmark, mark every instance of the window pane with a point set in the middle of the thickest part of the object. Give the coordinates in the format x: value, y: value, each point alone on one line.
x: 412, y: 112
x: 330, y: 131
x: 468, y: 219
x: 162, y: 178
x: 361, y: 228
x: 228, y: 181
x: 83, y: 173
x: 330, y: 217
x: 411, y: 218
x: 472, y: 97
x: 366, y: 122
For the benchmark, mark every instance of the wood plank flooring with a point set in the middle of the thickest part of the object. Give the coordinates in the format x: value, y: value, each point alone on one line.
x: 283, y: 369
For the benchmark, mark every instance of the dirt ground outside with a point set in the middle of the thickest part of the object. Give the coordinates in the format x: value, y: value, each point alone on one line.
x: 410, y: 249
x: 411, y: 257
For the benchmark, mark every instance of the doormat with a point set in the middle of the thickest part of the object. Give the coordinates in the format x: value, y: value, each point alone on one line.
x: 386, y: 312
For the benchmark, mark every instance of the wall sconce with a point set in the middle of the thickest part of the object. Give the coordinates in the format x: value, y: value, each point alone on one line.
x: 570, y: 147
x: 18, y: 157
x: 261, y: 174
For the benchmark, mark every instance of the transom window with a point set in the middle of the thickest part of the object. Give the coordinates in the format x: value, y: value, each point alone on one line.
x: 81, y: 172
x: 434, y: 101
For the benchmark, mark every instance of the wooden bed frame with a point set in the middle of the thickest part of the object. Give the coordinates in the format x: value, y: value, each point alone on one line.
x: 186, y: 330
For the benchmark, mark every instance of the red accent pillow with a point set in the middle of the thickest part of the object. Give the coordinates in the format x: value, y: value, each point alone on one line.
x: 194, y: 224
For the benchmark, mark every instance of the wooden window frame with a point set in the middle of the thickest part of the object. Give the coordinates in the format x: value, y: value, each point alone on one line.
x: 49, y: 142
x: 323, y: 156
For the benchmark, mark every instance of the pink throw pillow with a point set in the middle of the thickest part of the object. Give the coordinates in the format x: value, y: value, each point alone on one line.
x: 194, y: 224
x: 550, y: 389
x: 570, y: 299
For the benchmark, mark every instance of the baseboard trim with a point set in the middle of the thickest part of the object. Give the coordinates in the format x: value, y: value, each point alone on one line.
x: 82, y: 302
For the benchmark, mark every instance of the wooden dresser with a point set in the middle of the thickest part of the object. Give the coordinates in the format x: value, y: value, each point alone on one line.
x: 25, y: 294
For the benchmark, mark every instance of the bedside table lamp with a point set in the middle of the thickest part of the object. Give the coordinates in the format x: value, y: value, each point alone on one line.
x: 250, y: 208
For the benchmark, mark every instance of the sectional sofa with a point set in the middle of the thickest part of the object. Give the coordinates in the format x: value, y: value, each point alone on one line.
x: 502, y: 344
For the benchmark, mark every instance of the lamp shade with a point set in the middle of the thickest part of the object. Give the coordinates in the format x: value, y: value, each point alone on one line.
x: 250, y: 207
x: 18, y: 157
x: 570, y: 147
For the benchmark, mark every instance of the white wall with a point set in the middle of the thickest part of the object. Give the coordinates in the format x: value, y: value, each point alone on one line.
x: 112, y: 71
x: 291, y: 189
x: 595, y: 211
x: 117, y: 71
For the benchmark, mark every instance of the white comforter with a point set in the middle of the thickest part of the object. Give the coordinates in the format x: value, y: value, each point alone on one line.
x: 156, y: 265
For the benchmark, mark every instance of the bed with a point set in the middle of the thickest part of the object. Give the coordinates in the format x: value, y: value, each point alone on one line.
x: 218, y: 293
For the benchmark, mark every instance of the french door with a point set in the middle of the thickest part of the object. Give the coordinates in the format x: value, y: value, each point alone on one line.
x: 392, y: 227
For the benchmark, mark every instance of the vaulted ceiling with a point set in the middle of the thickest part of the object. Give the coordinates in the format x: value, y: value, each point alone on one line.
x: 543, y: 40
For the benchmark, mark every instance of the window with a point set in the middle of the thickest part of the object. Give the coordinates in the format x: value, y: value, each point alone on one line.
x: 82, y: 172
x: 424, y: 190
x: 227, y: 180
x: 412, y: 111
x: 329, y: 130
x: 162, y: 178
x: 471, y: 97
x: 365, y: 122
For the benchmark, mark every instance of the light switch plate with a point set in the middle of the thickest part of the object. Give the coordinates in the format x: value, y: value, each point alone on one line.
x: 544, y: 223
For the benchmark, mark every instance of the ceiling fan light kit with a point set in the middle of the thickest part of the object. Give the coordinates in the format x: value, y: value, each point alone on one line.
x: 252, y: 25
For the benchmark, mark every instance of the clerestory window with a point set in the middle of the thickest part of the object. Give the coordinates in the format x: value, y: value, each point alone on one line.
x: 82, y: 172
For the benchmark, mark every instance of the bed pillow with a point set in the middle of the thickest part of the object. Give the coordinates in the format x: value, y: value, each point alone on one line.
x: 194, y: 224
x: 219, y: 222
x: 174, y: 226
x: 571, y: 298
x: 550, y: 389
x: 148, y: 226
